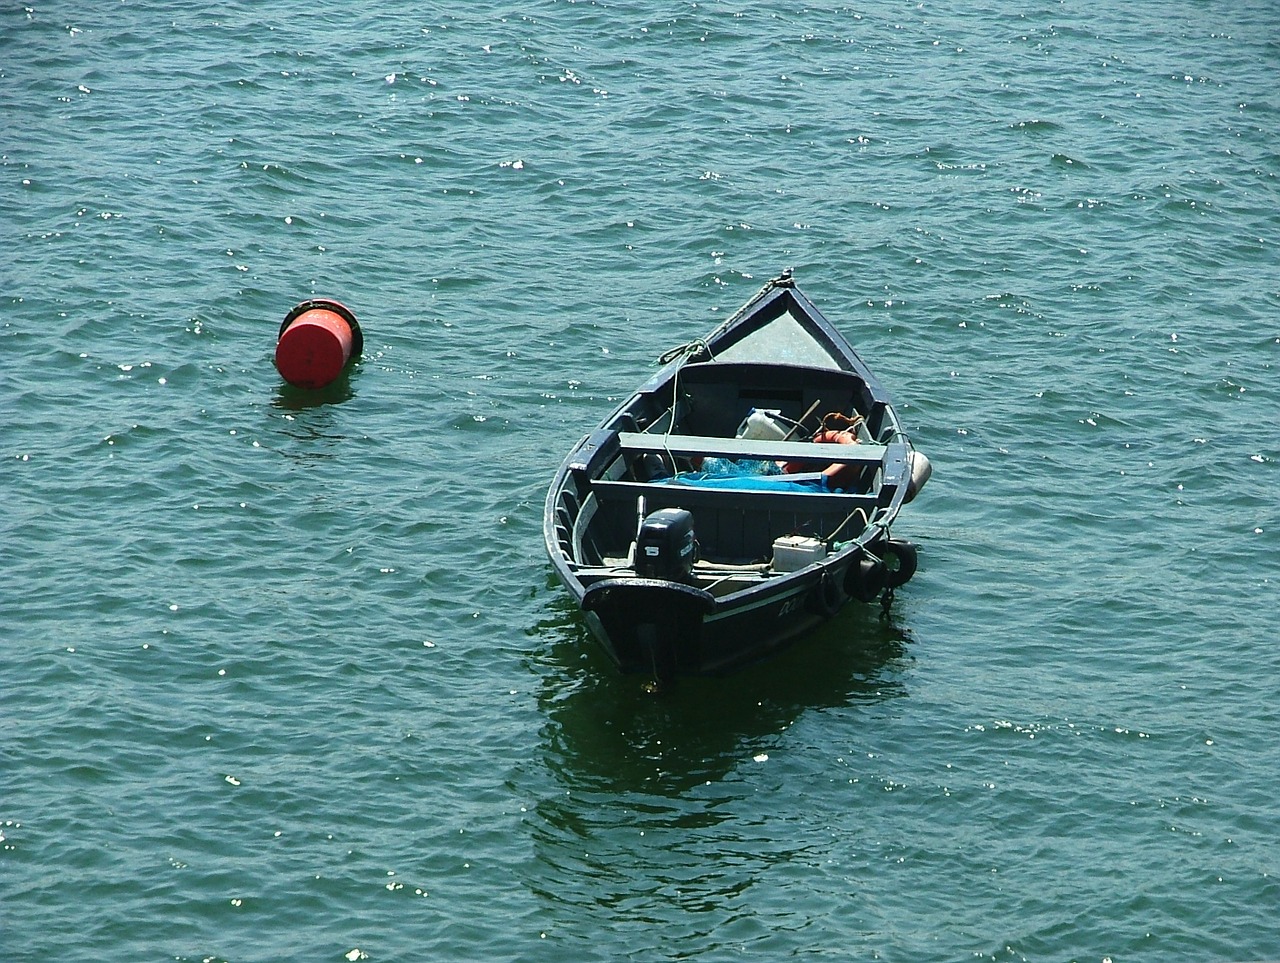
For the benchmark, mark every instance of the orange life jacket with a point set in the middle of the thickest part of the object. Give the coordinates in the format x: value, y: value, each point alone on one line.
x: 837, y: 474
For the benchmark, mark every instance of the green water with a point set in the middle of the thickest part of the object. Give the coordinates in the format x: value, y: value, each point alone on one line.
x: 286, y: 675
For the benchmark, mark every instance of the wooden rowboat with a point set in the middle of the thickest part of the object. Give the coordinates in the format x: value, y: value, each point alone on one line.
x: 700, y: 527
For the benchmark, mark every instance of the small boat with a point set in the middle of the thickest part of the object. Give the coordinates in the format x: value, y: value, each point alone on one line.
x: 738, y: 498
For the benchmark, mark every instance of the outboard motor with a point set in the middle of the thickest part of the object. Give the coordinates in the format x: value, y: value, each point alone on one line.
x: 665, y: 546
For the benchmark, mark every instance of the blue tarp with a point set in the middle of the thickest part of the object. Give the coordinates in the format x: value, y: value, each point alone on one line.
x: 746, y: 474
x: 771, y: 483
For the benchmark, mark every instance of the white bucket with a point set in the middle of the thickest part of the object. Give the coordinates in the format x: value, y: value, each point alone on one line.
x: 763, y: 423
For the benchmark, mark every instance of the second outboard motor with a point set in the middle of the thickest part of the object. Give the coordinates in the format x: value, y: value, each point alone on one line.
x: 665, y: 546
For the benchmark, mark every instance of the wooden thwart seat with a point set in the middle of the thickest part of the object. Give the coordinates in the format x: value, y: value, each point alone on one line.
x: 753, y: 448
x: 668, y: 495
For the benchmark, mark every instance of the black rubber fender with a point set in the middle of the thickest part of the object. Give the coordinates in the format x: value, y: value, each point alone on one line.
x: 865, y: 578
x: 900, y: 560
x: 826, y: 598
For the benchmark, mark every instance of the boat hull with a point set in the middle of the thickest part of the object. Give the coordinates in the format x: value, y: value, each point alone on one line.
x: 667, y: 628
x: 777, y: 555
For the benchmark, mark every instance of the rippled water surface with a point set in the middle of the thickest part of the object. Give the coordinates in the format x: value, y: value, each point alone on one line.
x: 286, y: 675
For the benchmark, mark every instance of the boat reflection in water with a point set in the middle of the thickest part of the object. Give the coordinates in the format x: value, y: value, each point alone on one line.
x: 611, y: 733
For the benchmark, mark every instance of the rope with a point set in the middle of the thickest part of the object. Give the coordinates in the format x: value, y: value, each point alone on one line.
x: 866, y: 523
x: 785, y: 280
x: 838, y: 421
x: 690, y: 349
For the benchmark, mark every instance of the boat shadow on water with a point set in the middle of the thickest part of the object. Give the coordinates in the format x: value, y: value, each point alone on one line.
x: 613, y: 732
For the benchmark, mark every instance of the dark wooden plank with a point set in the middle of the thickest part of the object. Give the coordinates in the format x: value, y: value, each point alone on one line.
x: 746, y: 499
x: 754, y: 448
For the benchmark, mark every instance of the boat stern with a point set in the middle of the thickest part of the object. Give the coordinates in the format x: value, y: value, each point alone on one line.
x: 649, y: 625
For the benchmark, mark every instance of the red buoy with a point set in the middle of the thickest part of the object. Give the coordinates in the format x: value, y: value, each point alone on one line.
x: 317, y: 339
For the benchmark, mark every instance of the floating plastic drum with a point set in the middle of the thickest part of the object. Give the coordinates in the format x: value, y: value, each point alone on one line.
x: 317, y: 340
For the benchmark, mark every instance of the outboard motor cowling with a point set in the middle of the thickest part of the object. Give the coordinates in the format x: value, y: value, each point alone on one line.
x: 665, y: 546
